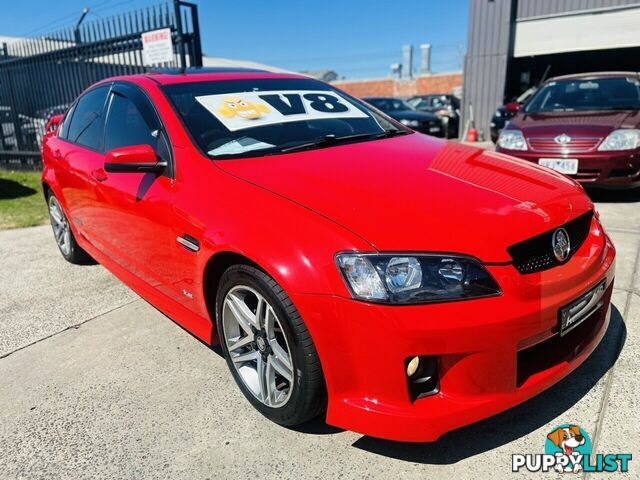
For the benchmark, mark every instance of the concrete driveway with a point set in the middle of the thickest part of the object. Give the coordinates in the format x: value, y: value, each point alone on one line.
x: 95, y: 383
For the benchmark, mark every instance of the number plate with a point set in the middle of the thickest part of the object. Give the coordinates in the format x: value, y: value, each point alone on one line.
x: 572, y: 315
x: 434, y: 129
x: 568, y: 166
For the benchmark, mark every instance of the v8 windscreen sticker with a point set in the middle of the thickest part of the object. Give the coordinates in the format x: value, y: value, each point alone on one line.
x: 253, y: 109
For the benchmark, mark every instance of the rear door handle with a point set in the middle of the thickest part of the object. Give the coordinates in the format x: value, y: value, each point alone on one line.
x: 99, y: 174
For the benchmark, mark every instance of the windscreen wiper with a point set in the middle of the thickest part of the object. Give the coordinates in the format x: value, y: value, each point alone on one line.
x: 393, y: 132
x: 326, y: 140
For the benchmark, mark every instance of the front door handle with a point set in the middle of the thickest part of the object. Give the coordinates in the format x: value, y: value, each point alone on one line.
x: 99, y: 174
x: 188, y: 242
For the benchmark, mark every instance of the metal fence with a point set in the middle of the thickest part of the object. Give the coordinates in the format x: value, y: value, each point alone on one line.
x: 40, y: 77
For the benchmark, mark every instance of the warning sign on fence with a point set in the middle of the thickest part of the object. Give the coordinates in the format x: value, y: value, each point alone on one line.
x: 157, y: 47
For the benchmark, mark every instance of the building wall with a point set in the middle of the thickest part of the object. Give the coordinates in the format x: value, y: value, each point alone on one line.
x: 488, y: 49
x: 389, y: 87
x: 382, y: 87
x: 537, y: 8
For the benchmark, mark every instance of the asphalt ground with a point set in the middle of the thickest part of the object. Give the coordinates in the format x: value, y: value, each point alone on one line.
x: 96, y: 383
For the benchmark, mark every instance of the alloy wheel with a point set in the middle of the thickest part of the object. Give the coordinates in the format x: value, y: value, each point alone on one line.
x: 257, y: 346
x: 60, y: 224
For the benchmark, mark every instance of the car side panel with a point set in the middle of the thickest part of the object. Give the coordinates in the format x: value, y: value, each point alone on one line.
x: 73, y: 166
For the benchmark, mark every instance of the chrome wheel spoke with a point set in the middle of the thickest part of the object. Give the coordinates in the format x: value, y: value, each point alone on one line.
x: 241, y: 342
x: 259, y: 315
x: 270, y: 323
x: 243, y: 316
x: 55, y: 213
x: 58, y: 232
x: 282, y: 362
x: 282, y: 367
x: 267, y: 379
x: 246, y: 357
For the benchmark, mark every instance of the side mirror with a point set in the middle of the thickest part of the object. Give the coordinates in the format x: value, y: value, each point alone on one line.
x: 53, y: 123
x: 512, y: 107
x: 134, y: 159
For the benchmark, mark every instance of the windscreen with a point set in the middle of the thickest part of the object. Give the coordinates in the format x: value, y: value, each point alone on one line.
x: 253, y: 117
x: 612, y: 93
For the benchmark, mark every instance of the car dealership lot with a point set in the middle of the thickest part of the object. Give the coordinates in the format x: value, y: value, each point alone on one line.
x: 96, y: 383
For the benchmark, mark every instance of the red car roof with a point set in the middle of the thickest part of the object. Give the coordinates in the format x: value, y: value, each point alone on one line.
x: 206, y: 75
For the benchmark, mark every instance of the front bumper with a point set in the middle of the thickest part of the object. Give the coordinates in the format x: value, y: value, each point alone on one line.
x: 603, y: 169
x: 488, y: 349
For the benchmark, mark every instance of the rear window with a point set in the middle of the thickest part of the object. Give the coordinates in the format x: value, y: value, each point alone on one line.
x: 87, y: 120
x: 252, y: 117
x: 613, y: 93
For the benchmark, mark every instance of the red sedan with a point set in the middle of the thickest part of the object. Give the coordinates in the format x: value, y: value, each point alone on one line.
x: 402, y: 285
x: 586, y: 126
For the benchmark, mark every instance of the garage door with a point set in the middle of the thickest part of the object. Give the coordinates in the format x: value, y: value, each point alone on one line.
x: 578, y: 32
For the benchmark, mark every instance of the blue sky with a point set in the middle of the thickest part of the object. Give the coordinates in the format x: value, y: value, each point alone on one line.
x: 356, y: 38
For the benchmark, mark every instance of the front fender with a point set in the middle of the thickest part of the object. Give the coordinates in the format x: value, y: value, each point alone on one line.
x: 294, y: 245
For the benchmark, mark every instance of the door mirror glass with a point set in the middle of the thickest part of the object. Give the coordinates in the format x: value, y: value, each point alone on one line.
x: 134, y: 159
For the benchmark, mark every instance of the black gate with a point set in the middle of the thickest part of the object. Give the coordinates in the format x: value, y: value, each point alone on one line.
x: 40, y: 77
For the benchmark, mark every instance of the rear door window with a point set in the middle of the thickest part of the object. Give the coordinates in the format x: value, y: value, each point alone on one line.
x: 86, y: 125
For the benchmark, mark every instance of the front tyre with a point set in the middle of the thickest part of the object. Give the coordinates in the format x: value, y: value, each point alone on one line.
x: 67, y: 244
x: 267, y: 347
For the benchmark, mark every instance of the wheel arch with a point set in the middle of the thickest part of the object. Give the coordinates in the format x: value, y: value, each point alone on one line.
x: 215, y: 267
x: 46, y: 189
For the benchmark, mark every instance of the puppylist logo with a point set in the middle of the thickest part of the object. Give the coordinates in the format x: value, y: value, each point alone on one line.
x: 568, y: 448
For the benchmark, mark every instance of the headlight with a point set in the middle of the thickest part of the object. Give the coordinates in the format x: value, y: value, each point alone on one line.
x: 512, y: 140
x: 497, y: 114
x: 403, y: 279
x: 623, y: 139
x: 410, y: 123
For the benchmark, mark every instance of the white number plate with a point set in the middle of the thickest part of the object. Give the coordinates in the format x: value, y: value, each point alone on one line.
x: 568, y: 166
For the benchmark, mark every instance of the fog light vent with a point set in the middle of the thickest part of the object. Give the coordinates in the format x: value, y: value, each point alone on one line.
x: 422, y: 376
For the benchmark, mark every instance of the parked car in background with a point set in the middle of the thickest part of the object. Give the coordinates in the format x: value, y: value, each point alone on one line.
x: 445, y: 106
x: 586, y: 126
x: 401, y: 111
x: 507, y: 111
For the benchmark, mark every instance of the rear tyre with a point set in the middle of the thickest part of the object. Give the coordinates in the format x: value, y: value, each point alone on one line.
x: 268, y: 348
x: 67, y: 244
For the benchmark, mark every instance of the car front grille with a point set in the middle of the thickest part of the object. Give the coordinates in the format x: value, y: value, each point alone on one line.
x: 536, y: 254
x: 575, y: 145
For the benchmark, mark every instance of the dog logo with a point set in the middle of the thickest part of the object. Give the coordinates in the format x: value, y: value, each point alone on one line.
x: 560, y: 244
x: 567, y: 439
x: 236, y: 106
x: 568, y: 449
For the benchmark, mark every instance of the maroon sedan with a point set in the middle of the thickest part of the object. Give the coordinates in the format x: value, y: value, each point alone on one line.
x: 586, y: 126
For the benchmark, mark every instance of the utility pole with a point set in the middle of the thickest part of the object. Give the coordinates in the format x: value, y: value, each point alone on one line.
x: 76, y: 29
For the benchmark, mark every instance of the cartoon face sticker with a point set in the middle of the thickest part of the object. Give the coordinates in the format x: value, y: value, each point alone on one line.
x: 232, y: 106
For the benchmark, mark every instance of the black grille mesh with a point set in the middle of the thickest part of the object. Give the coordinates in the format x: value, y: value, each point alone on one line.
x: 536, y: 254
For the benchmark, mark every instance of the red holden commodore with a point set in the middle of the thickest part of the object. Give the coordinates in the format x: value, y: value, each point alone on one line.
x: 401, y: 285
x: 586, y: 126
